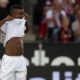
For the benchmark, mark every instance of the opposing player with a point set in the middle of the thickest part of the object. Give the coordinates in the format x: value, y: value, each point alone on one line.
x: 13, y: 65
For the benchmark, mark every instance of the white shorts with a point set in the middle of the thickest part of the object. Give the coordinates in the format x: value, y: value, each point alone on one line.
x: 13, y: 68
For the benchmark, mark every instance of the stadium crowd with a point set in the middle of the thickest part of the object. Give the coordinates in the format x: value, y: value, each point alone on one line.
x: 61, y: 21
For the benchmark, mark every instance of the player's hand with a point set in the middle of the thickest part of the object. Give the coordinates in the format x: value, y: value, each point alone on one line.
x: 26, y: 15
x: 8, y: 18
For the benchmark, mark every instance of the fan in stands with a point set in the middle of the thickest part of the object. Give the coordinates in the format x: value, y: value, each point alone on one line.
x: 3, y: 3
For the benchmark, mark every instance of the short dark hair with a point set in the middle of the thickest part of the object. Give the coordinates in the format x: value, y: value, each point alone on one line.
x: 15, y: 7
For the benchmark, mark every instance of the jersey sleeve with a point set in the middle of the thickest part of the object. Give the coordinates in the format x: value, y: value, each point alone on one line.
x: 3, y: 27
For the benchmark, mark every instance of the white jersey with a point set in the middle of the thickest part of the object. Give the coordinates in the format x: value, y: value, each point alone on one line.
x: 13, y: 28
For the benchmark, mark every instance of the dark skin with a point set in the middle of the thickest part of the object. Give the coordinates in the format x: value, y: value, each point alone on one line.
x: 8, y: 18
x: 18, y: 14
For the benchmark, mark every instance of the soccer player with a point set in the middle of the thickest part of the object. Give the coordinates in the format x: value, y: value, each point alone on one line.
x: 13, y: 65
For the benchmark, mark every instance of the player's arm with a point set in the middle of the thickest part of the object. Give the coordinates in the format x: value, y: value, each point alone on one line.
x: 27, y: 22
x: 2, y: 22
x: 27, y: 27
x: 8, y: 18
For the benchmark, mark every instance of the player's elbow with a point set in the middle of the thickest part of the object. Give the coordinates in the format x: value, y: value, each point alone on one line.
x: 27, y: 30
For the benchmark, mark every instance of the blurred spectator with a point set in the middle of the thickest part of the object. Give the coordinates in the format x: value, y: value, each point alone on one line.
x: 51, y: 23
x: 3, y: 9
x: 53, y: 18
x: 71, y: 2
x: 43, y: 24
x: 3, y: 3
x: 76, y: 6
x: 67, y: 7
x: 65, y: 34
x: 76, y: 26
x: 43, y: 30
x: 78, y: 2
x: 48, y: 6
